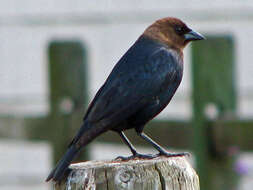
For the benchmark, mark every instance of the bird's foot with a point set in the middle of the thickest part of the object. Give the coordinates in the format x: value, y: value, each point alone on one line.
x: 137, y: 155
x: 151, y: 156
x: 169, y: 154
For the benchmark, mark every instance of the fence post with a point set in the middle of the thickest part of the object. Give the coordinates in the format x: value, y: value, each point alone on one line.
x: 68, y: 92
x: 67, y: 95
x: 214, y: 98
x: 160, y: 174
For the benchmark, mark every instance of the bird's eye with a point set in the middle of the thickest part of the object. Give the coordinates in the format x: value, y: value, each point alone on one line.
x: 179, y: 30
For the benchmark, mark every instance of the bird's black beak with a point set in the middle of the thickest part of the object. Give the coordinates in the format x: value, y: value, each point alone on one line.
x: 192, y: 36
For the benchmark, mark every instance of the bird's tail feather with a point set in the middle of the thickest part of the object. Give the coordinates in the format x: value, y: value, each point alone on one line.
x: 86, y: 133
x: 61, y: 167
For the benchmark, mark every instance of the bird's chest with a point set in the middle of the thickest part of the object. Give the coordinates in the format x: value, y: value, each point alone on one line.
x: 169, y: 88
x: 172, y: 80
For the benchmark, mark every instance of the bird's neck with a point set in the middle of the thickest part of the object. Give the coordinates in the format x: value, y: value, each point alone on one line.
x: 157, y: 37
x: 155, y: 34
x: 164, y: 43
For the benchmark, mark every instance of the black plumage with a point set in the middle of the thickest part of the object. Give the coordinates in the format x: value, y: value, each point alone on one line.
x: 139, y: 87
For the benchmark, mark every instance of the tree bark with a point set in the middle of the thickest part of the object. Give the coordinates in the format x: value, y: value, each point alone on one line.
x: 155, y: 174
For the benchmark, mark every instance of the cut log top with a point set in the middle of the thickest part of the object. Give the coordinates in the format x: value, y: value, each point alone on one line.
x: 154, y: 174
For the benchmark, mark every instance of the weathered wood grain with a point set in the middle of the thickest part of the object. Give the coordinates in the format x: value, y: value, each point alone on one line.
x: 155, y: 174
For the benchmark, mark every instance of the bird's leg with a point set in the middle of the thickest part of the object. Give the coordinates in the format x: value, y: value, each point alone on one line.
x: 161, y: 150
x: 132, y: 148
x: 128, y: 143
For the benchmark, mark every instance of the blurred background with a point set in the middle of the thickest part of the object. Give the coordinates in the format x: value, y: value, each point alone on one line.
x: 55, y: 54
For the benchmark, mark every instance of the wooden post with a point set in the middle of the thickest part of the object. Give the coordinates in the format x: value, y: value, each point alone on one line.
x: 68, y: 97
x: 214, y: 98
x: 155, y: 174
x: 67, y: 93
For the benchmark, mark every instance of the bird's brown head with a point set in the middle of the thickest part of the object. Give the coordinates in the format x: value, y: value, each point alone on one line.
x: 172, y: 32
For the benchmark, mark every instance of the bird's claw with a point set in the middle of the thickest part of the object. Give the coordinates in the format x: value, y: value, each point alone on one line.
x: 123, y: 158
x: 169, y: 154
x: 145, y: 156
x: 151, y: 156
x: 137, y: 155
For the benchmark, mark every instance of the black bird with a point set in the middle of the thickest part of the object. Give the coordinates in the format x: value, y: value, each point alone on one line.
x: 139, y: 87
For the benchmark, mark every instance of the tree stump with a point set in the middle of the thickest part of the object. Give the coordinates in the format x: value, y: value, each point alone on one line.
x: 140, y: 174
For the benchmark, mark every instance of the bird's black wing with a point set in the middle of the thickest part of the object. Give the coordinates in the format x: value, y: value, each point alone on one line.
x: 128, y: 89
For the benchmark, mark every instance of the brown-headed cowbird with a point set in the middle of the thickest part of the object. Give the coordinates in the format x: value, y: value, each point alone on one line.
x: 139, y: 87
